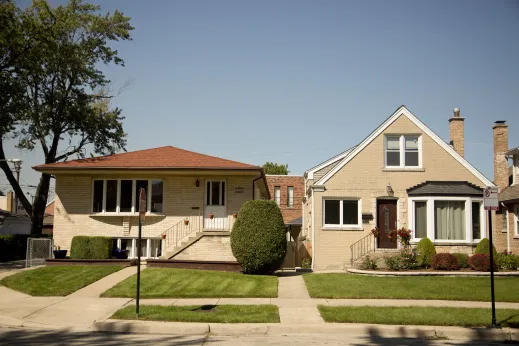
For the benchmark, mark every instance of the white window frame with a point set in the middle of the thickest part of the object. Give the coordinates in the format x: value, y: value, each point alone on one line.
x: 134, y: 210
x: 345, y: 227
x: 402, y: 151
x: 515, y: 170
x: 430, y: 218
x: 290, y: 199
x: 133, y: 252
x: 277, y: 195
x: 516, y: 221
x: 505, y: 215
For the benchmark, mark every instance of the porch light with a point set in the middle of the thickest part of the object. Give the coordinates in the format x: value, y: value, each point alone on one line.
x: 389, y: 189
x: 197, y: 182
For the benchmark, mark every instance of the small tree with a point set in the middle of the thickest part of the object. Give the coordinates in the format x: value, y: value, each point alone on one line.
x: 425, y: 252
x: 258, y: 237
x: 275, y: 168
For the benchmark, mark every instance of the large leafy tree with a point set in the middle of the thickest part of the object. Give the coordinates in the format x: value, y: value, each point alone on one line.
x: 275, y: 168
x: 53, y: 94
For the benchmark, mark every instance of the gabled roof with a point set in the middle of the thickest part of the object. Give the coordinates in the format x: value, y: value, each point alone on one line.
x: 513, y: 151
x: 510, y: 193
x: 403, y: 111
x: 158, y: 158
x: 338, y: 157
x: 445, y: 188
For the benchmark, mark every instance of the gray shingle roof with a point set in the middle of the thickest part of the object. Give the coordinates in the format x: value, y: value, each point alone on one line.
x: 509, y: 194
x: 296, y: 221
x: 445, y: 188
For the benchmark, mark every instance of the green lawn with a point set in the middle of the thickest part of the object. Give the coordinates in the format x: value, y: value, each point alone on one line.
x: 204, y: 313
x: 414, y: 315
x: 56, y: 281
x: 424, y: 287
x: 183, y: 283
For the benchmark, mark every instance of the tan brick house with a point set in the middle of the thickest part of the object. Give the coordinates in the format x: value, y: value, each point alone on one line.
x: 191, y: 201
x: 288, y: 192
x: 401, y: 175
x: 506, y: 231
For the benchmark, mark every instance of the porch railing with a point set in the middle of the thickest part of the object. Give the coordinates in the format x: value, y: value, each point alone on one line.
x: 218, y: 221
x: 363, y: 247
x: 176, y: 233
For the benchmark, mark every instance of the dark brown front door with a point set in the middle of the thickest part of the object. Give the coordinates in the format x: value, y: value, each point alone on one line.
x: 386, y: 222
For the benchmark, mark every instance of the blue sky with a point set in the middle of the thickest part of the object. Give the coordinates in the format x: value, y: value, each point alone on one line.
x: 297, y: 82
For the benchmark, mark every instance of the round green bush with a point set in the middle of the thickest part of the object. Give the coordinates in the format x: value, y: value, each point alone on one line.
x: 484, y: 248
x: 463, y: 259
x: 258, y: 237
x: 425, y: 252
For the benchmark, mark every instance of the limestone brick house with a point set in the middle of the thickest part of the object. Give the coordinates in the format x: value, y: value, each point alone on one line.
x: 288, y: 192
x: 191, y: 204
x: 400, y: 175
x: 506, y: 232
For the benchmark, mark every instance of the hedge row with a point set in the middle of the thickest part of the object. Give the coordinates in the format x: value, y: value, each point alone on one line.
x: 84, y: 247
x: 13, y: 247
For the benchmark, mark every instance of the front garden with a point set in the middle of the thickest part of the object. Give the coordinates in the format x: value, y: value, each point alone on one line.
x: 56, y: 281
x: 183, y: 283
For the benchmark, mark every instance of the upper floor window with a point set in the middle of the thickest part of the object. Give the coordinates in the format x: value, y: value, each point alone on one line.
x: 122, y: 195
x: 403, y: 151
x: 277, y: 195
x: 290, y: 196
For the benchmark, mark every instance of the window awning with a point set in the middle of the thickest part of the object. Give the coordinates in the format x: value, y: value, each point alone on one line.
x: 445, y: 188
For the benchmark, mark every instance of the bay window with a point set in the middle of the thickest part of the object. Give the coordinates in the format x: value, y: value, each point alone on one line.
x: 447, y: 219
x: 114, y: 196
x: 342, y: 213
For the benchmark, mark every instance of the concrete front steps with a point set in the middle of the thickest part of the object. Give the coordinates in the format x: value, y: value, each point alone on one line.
x: 207, y: 245
x: 379, y: 253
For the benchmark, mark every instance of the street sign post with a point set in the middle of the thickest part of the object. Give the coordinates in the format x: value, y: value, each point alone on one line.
x: 491, y: 202
x: 142, y: 214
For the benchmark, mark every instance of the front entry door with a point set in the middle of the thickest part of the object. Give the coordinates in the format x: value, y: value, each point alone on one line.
x: 386, y: 222
x: 215, y: 211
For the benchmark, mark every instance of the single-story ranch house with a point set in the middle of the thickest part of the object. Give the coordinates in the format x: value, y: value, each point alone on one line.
x: 401, y: 175
x: 192, y: 200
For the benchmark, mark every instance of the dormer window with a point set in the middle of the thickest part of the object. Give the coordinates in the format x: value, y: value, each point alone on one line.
x: 403, y: 151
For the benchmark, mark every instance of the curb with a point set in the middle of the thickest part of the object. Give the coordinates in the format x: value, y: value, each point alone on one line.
x: 242, y: 329
x: 422, y: 273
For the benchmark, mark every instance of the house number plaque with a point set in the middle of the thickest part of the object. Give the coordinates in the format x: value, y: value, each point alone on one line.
x: 238, y: 190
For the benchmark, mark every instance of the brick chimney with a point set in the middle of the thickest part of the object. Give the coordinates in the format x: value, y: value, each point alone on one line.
x: 457, y: 132
x: 500, y: 129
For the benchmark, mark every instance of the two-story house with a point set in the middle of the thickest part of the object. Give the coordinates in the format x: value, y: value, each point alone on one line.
x: 506, y: 232
x: 401, y: 175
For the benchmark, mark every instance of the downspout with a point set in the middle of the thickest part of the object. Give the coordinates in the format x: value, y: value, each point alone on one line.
x: 507, y: 227
x: 254, y: 185
x: 313, y: 232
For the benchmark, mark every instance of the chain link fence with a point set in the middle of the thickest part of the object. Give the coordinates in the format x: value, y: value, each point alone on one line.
x: 38, y: 250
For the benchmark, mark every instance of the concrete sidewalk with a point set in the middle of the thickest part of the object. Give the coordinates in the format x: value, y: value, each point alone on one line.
x: 95, y: 289
x: 294, y: 303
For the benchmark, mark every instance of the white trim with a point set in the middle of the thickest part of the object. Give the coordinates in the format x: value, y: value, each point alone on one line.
x: 430, y: 218
x: 516, y: 221
x: 341, y: 226
x: 278, y: 190
x: 506, y: 226
x: 311, y: 171
x: 399, y: 112
x: 313, y: 232
x: 290, y: 188
x: 402, y: 152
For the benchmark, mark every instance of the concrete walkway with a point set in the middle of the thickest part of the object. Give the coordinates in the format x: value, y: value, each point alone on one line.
x: 95, y: 289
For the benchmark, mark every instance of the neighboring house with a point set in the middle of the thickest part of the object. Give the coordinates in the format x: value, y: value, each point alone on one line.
x: 401, y: 175
x: 288, y: 192
x: 506, y: 232
x: 191, y: 199
x: 48, y: 219
x: 14, y: 224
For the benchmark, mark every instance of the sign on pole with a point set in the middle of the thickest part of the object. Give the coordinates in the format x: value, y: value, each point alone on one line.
x: 490, y: 198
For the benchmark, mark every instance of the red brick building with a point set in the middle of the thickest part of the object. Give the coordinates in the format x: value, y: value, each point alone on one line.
x: 288, y: 192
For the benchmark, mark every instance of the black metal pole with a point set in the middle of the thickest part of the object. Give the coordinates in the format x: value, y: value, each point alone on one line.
x: 138, y: 267
x: 491, y: 250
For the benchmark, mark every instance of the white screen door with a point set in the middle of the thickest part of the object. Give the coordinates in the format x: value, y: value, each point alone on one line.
x: 215, y: 213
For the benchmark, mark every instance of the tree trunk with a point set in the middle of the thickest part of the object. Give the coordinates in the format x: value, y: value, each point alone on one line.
x: 40, y: 202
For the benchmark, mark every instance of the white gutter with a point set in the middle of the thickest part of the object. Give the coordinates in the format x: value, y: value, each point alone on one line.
x: 313, y: 232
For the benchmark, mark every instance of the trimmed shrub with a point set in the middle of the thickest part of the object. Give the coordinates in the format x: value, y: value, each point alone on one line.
x: 393, y: 262
x: 369, y: 263
x: 258, y: 237
x: 507, y: 261
x: 425, y: 251
x: 444, y: 261
x: 13, y: 247
x: 484, y: 248
x: 85, y: 247
x: 463, y: 260
x: 481, y: 262
x: 408, y: 258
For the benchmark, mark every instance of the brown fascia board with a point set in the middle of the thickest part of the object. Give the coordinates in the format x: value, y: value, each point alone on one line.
x: 52, y: 169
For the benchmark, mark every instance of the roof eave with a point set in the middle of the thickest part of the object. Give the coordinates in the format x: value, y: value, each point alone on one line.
x: 76, y: 169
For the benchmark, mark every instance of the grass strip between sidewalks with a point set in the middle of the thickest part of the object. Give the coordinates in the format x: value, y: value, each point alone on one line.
x: 203, y: 313
x: 415, y: 315
x: 56, y: 281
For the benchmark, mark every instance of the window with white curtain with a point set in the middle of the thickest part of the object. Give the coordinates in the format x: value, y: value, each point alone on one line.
x: 290, y: 197
x: 277, y: 195
x: 447, y: 219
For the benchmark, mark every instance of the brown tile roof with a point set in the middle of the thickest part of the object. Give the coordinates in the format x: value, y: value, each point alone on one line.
x: 158, y: 158
x: 509, y: 193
